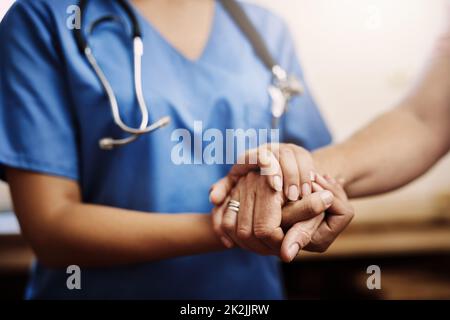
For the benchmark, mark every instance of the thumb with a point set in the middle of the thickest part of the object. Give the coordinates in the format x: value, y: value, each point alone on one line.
x: 299, y: 237
x: 307, y: 208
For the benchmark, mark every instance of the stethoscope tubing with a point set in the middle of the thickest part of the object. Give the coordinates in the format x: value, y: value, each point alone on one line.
x: 285, y: 86
x: 138, y: 51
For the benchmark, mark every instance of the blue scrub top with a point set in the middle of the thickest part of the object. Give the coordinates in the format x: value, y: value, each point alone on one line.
x: 53, y: 111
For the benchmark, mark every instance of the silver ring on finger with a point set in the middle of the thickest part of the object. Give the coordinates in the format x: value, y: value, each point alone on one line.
x: 234, y: 205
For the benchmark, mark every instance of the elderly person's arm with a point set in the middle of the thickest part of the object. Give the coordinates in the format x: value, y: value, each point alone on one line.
x: 394, y: 149
x: 401, y: 144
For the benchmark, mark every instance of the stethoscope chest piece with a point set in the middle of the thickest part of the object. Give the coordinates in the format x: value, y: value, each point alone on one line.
x: 281, y: 91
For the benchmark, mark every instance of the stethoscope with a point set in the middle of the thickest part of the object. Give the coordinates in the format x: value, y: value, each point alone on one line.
x: 281, y: 90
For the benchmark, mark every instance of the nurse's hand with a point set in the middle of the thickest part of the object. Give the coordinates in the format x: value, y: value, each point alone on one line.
x: 337, y: 217
x: 287, y: 167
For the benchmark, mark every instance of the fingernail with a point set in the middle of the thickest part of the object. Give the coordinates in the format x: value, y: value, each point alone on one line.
x: 316, y: 187
x: 327, y: 197
x: 306, y: 189
x: 226, y: 242
x: 293, y: 193
x: 312, y: 176
x: 329, y: 178
x: 277, y: 183
x: 293, y: 251
x: 320, y: 178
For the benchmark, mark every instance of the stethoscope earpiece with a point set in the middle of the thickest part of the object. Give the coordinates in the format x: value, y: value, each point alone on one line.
x: 106, y: 144
x: 109, y: 143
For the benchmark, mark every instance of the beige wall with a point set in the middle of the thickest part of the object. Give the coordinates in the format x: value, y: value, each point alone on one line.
x: 360, y: 56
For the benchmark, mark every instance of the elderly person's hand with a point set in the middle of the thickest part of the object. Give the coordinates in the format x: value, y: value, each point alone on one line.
x: 258, y: 225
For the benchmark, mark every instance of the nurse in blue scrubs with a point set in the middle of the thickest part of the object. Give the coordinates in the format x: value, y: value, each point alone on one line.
x: 136, y: 223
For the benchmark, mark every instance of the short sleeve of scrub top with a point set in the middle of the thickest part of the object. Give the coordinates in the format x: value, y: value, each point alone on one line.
x: 53, y: 112
x: 38, y: 131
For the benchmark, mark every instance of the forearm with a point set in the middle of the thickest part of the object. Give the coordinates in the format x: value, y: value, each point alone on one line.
x: 91, y: 235
x: 402, y: 144
x: 63, y: 230
x: 393, y: 150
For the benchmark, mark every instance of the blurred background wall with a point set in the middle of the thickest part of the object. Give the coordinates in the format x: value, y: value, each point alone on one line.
x: 360, y: 57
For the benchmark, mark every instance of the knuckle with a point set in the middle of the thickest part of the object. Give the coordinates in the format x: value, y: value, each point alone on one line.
x: 242, y: 181
x: 235, y: 192
x: 291, y: 146
x: 351, y: 212
x: 310, y: 208
x: 304, y: 238
x: 350, y: 215
x: 307, y: 235
x: 262, y: 232
x: 316, y: 207
x: 244, y: 233
x: 217, y: 228
x: 228, y: 226
x: 285, y: 152
x: 252, y: 177
x: 228, y: 229
x: 305, y: 156
x: 299, y: 150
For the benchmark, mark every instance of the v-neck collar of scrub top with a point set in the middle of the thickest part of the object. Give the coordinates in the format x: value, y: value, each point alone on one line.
x: 148, y: 26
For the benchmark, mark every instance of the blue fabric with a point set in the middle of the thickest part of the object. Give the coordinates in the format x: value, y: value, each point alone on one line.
x: 53, y: 112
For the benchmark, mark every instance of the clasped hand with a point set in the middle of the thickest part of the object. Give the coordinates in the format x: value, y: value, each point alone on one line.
x: 285, y: 204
